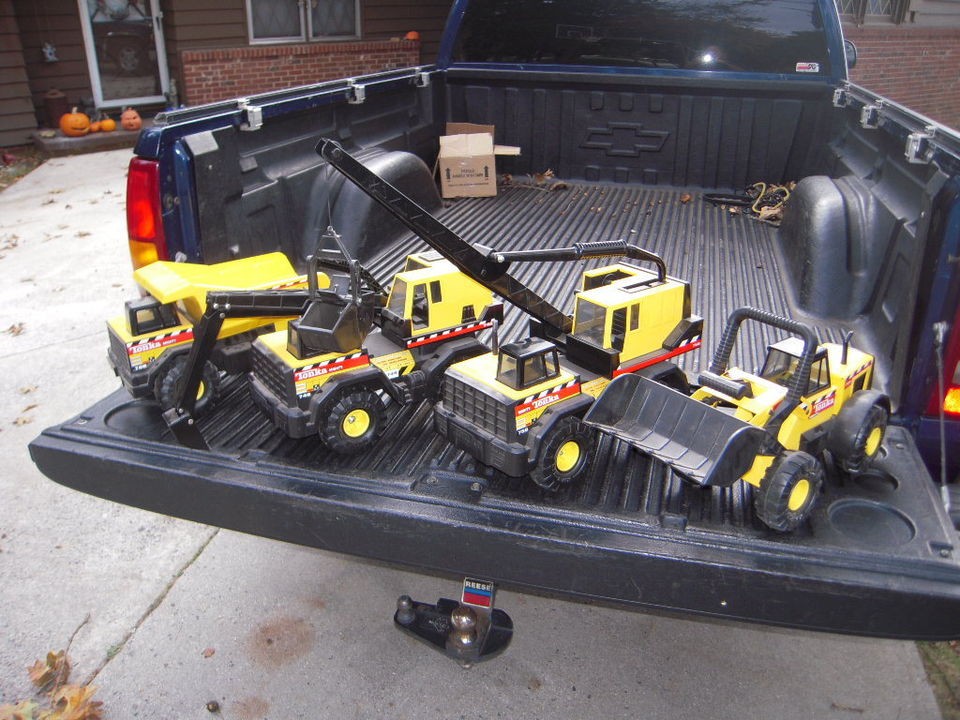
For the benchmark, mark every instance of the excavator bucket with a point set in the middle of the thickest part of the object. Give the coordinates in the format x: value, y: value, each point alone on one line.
x: 705, y: 444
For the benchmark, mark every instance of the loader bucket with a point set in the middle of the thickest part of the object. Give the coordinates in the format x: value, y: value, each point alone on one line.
x: 704, y: 444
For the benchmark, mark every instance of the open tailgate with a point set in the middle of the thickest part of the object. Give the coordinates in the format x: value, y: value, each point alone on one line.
x: 878, y: 557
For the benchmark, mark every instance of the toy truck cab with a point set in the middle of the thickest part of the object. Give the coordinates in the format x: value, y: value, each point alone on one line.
x: 627, y: 318
x: 429, y: 296
x: 149, y: 343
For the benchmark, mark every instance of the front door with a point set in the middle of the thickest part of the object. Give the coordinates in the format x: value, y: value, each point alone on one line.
x: 125, y: 51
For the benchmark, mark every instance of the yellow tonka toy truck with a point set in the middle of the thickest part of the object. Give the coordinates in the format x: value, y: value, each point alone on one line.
x: 769, y: 429
x: 518, y: 409
x: 150, y: 342
x: 330, y: 377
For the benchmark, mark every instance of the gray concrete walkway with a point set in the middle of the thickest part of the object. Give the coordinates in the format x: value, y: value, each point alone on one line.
x: 173, y: 615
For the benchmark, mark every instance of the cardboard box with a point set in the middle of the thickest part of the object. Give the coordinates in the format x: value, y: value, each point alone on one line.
x: 467, y: 161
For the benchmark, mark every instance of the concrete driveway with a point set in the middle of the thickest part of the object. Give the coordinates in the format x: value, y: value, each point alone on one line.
x: 167, y: 616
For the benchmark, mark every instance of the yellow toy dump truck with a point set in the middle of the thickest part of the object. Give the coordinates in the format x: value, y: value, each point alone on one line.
x: 770, y: 429
x: 150, y: 342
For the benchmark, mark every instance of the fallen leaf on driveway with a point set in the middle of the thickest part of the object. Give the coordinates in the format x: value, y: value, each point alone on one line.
x: 52, y: 671
x: 75, y: 702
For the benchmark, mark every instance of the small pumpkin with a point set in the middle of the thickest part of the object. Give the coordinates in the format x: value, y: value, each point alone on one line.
x: 95, y: 126
x: 74, y: 124
x: 108, y: 124
x: 130, y: 119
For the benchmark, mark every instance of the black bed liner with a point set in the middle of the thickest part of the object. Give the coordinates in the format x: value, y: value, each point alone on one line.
x: 877, y: 558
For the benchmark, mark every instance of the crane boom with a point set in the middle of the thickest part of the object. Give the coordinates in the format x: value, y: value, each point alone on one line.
x: 466, y: 257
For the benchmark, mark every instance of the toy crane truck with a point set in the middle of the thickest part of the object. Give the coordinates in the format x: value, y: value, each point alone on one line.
x: 768, y: 429
x: 638, y: 120
x: 150, y: 342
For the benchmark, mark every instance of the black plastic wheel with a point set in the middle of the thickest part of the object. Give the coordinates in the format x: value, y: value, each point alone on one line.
x: 170, y: 383
x: 789, y: 491
x: 354, y: 421
x: 857, y: 431
x: 566, y: 454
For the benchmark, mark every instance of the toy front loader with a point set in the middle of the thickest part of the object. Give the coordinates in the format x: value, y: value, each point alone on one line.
x: 704, y: 443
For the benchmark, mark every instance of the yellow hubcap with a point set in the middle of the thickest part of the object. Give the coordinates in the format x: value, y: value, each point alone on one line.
x: 356, y: 423
x: 568, y: 456
x: 799, y: 495
x: 873, y: 441
x: 200, y: 390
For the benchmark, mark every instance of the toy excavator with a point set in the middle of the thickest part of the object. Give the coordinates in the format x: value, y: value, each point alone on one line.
x: 150, y: 342
x: 768, y: 429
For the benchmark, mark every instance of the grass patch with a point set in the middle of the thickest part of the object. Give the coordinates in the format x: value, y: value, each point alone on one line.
x: 942, y: 663
x: 16, y: 162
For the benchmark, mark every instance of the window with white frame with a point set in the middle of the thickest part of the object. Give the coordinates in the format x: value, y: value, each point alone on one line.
x: 271, y: 21
x: 859, y: 10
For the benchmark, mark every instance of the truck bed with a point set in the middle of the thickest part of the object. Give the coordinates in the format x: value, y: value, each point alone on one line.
x: 878, y: 557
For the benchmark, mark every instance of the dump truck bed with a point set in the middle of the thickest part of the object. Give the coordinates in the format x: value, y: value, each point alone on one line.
x: 878, y: 557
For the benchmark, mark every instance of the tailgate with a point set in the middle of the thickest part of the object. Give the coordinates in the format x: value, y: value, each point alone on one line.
x: 878, y: 557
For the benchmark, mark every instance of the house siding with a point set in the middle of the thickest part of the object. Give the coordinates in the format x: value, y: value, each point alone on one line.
x: 56, y: 22
x: 17, y: 118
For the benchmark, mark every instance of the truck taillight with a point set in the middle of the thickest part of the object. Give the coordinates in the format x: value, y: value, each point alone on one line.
x: 951, y: 403
x: 144, y: 221
x: 951, y: 380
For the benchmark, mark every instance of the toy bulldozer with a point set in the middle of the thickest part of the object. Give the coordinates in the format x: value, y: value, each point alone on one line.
x: 770, y: 430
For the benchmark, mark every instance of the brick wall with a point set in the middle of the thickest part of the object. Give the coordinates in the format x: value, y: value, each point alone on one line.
x: 916, y: 67
x: 223, y: 73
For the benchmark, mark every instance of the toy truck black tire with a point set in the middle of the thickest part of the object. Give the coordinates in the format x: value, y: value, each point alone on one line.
x: 169, y: 382
x: 566, y: 454
x: 789, y: 490
x: 856, y: 433
x: 353, y: 420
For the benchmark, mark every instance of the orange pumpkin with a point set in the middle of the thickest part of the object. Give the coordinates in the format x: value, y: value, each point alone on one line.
x: 108, y: 124
x: 95, y: 126
x: 74, y: 124
x: 130, y: 119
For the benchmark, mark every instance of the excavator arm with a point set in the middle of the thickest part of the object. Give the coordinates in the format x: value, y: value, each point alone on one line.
x: 220, y: 306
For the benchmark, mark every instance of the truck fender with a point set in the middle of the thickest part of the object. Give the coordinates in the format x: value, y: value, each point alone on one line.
x: 371, y: 377
x: 450, y: 352
x: 576, y: 406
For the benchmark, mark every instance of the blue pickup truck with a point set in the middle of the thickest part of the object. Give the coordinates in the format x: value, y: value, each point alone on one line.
x: 643, y: 110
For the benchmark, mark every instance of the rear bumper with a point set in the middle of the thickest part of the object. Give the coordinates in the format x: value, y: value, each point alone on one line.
x: 879, y: 558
